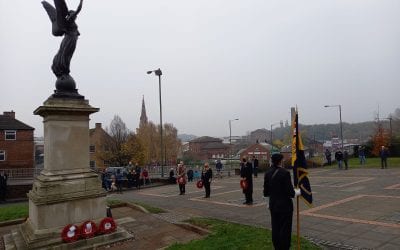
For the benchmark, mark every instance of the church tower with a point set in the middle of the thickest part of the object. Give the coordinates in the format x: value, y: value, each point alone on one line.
x: 143, y: 116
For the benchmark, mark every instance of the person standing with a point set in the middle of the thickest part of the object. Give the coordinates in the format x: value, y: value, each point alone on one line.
x: 328, y: 157
x: 361, y: 155
x: 279, y: 188
x: 181, y: 177
x: 3, y: 186
x: 218, y: 166
x: 339, y: 158
x: 206, y: 177
x: 346, y: 159
x: 119, y: 180
x: 138, y: 172
x: 255, y: 166
x: 246, y: 172
x: 383, y: 153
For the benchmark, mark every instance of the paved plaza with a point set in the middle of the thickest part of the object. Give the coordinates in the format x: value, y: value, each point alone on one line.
x: 353, y: 209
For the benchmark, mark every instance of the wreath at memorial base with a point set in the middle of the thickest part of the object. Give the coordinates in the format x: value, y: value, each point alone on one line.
x: 70, y: 233
x: 243, y: 184
x: 88, y: 229
x: 199, y: 184
x: 107, y: 225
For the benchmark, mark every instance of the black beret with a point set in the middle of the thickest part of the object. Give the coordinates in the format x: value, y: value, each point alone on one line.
x: 276, y: 157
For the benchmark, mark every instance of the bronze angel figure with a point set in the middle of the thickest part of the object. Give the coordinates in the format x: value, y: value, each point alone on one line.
x: 63, y: 24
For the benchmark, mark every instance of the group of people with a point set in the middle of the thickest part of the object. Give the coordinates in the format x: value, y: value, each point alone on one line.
x: 183, y: 176
x: 134, y: 176
x: 278, y: 188
x: 340, y: 157
x: 343, y: 157
x: 3, y: 186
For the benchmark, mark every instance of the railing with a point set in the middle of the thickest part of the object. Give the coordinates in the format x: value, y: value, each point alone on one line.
x: 21, y: 173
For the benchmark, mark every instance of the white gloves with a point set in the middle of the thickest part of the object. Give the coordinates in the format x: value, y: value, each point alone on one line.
x: 297, y: 192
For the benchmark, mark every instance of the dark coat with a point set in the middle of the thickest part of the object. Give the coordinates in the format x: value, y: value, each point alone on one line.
x: 206, y: 175
x: 339, y: 156
x: 246, y: 171
x: 280, y: 189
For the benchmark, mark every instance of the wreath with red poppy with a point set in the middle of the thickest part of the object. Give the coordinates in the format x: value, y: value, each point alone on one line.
x: 70, y: 233
x: 243, y: 184
x: 88, y: 229
x: 199, y: 184
x: 107, y: 225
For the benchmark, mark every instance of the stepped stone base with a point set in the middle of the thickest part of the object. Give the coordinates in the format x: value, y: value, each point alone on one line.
x: 52, y: 240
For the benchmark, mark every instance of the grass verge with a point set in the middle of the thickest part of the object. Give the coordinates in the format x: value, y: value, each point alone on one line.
x: 151, y: 209
x: 393, y: 162
x: 13, y: 212
x: 226, y: 235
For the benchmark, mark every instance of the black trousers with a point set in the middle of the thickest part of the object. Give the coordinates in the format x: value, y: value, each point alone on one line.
x: 182, y: 188
x: 281, y: 229
x: 207, y: 187
x: 383, y: 162
x: 249, y: 195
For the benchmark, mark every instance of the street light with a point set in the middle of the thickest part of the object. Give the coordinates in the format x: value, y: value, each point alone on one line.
x: 230, y: 144
x: 340, y: 117
x: 158, y: 73
x: 273, y: 124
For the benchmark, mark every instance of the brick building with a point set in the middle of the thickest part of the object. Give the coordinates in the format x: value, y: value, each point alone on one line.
x: 16, y: 143
x: 205, y: 148
x: 260, y: 151
x: 98, y: 145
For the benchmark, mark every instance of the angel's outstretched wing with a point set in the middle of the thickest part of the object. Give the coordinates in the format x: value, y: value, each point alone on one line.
x: 51, y: 11
x: 62, y: 13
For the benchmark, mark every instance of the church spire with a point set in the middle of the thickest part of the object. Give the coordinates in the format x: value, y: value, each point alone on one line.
x: 143, y: 116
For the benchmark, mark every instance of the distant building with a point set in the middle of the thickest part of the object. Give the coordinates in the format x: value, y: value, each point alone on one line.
x: 98, y: 145
x: 205, y: 148
x: 16, y: 143
x: 260, y: 135
x: 233, y: 139
x: 260, y: 151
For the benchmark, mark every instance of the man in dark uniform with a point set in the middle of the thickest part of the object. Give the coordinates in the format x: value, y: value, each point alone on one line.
x: 246, y: 172
x: 279, y: 188
x: 206, y: 177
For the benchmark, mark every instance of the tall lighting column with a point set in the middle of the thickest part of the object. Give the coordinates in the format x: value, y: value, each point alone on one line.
x: 158, y: 73
x: 340, y: 118
x: 230, y: 144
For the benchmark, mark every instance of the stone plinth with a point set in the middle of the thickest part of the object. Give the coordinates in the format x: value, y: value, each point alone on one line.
x: 66, y: 191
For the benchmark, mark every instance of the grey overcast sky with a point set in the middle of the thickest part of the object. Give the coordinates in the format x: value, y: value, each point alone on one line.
x: 221, y: 59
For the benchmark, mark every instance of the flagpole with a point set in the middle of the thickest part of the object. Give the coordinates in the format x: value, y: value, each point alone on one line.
x: 297, y: 184
x: 298, y: 223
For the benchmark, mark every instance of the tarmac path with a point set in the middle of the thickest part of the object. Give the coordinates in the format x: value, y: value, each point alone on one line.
x: 352, y: 209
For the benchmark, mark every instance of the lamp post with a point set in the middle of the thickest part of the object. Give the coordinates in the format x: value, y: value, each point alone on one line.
x: 340, y: 117
x: 158, y: 73
x: 273, y: 124
x: 230, y: 144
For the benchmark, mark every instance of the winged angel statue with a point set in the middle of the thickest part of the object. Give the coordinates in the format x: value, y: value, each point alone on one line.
x: 63, y: 24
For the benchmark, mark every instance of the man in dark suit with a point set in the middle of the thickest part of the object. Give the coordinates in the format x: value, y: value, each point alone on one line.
x: 246, y: 172
x: 279, y: 188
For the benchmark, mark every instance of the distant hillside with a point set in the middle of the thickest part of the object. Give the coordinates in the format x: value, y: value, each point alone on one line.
x: 362, y: 131
x: 186, y: 137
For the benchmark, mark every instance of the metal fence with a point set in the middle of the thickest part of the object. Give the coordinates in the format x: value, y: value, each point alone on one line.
x: 21, y: 173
